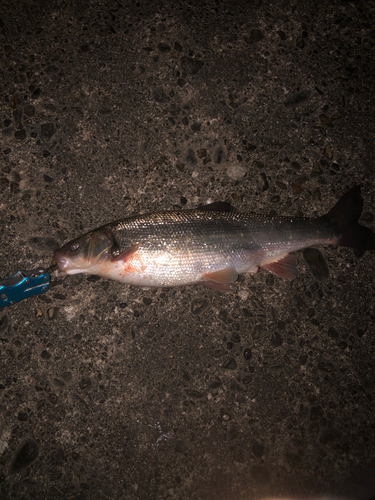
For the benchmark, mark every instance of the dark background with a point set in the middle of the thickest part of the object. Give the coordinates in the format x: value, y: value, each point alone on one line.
x: 110, y: 109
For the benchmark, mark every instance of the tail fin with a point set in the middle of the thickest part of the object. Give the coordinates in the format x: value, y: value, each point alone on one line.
x: 344, y: 215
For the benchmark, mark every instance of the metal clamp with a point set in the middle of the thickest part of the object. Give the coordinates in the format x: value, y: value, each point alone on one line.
x: 24, y: 284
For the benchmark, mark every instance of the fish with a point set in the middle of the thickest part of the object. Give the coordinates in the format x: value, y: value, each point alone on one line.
x: 211, y: 245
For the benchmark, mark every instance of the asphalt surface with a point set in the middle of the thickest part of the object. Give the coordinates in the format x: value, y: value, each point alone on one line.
x: 115, y: 392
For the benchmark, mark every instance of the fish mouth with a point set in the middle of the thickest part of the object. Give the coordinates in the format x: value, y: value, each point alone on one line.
x: 61, y: 260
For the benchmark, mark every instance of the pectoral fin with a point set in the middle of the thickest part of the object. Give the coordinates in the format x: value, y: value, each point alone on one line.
x: 126, y: 254
x: 285, y: 268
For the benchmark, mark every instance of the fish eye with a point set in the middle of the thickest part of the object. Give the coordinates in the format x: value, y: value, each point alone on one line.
x: 74, y: 247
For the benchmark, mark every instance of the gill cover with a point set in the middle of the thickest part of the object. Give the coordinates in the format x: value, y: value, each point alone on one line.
x: 85, y: 254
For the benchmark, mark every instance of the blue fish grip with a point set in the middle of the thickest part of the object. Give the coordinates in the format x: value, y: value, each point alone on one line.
x: 22, y: 285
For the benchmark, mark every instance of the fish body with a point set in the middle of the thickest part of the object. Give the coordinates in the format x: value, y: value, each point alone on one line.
x: 209, y: 245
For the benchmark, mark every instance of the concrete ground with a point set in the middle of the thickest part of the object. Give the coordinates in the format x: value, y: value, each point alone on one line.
x: 113, y: 108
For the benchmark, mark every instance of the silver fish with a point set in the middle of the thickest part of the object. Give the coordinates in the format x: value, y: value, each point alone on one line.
x: 211, y: 245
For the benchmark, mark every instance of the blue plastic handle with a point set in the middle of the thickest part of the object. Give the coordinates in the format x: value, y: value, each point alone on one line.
x: 20, y: 286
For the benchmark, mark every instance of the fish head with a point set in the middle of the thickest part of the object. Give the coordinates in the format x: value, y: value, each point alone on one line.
x: 85, y: 254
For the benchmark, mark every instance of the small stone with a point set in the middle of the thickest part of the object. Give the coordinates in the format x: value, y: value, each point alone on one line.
x: 255, y: 36
x: 230, y: 364
x: 147, y: 301
x: 218, y: 155
x: 191, y: 157
x: 180, y: 447
x: 328, y: 153
x: 226, y: 417
x: 218, y: 353
x: 191, y: 66
x: 235, y: 337
x: 52, y: 312
x: 247, y: 354
x: 3, y: 322
x: 329, y: 435
x: 164, y: 47
x: 160, y: 96
x: 293, y: 459
x: 297, y: 188
x: 67, y: 376
x: 215, y: 384
x: 25, y: 455
x: 297, y: 99
x: 202, y: 153
x: 38, y: 313
x: 262, y: 182
x: 303, y: 359
x: 236, y: 171
x: 362, y: 329
x: 193, y: 394
x: 324, y: 119
x: 47, y: 131
x: 85, y: 383
x: 198, y: 305
x: 20, y: 135
x: 276, y: 339
x: 257, y: 449
x: 342, y: 345
x: 316, y: 412
x: 29, y: 110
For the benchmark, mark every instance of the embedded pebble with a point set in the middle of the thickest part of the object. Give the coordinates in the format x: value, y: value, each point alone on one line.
x: 20, y: 135
x: 25, y: 455
x: 236, y: 171
x: 230, y: 364
x: 191, y: 66
x: 247, y: 354
x: 218, y: 155
x: 255, y: 36
x: 198, y: 305
x: 52, y: 312
x: 316, y: 413
x: 297, y: 99
x: 47, y: 131
x: 257, y: 449
x: 160, y: 96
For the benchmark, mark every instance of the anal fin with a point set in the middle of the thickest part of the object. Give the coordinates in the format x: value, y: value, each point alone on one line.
x: 285, y: 268
x: 227, y: 275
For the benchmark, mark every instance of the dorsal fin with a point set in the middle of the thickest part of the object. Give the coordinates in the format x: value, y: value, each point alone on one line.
x: 218, y: 206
